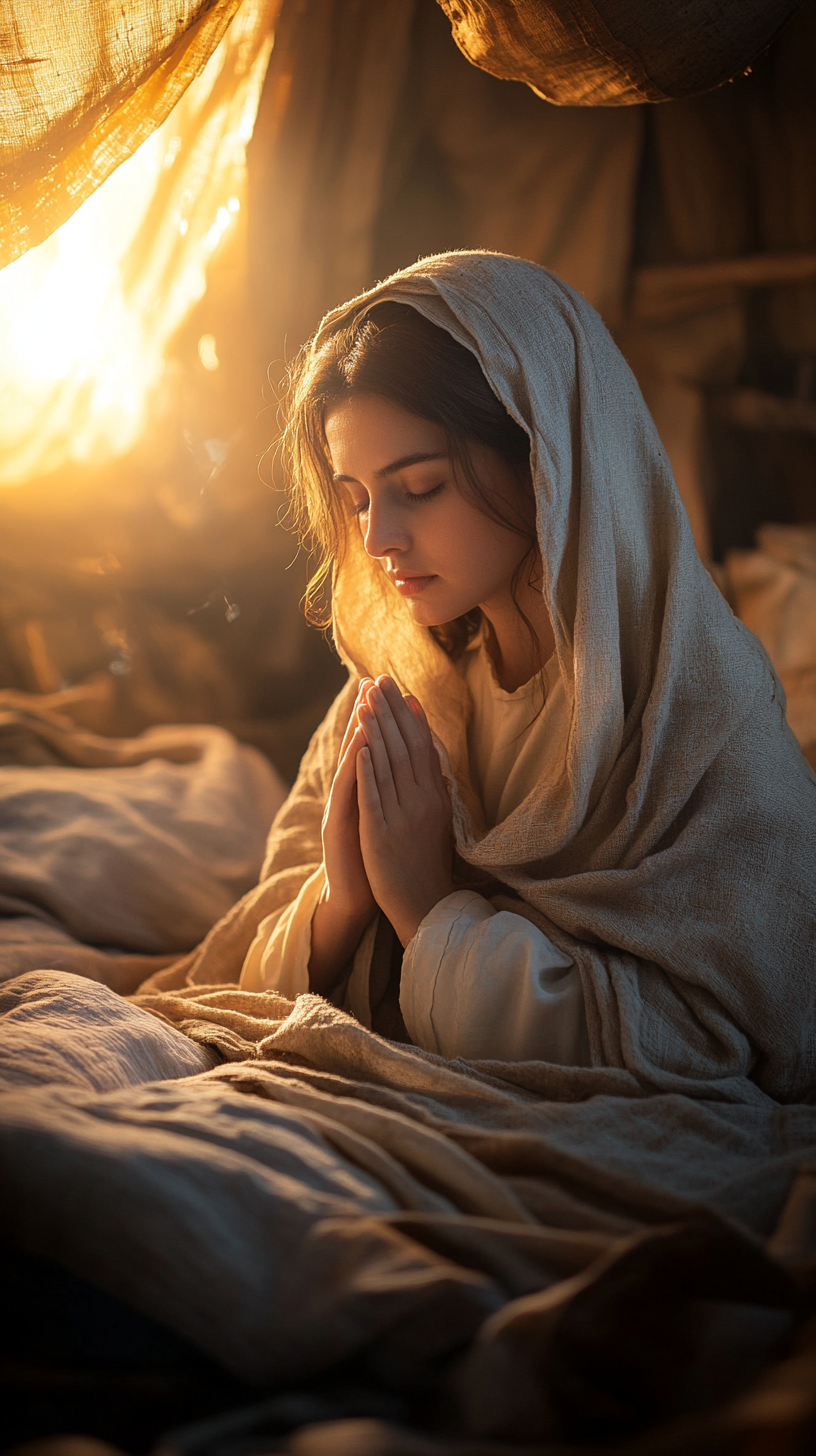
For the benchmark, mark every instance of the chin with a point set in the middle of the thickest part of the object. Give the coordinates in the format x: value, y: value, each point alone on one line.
x: 426, y: 615
x: 423, y: 617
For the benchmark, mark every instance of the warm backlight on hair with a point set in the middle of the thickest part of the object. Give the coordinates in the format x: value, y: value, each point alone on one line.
x: 86, y: 317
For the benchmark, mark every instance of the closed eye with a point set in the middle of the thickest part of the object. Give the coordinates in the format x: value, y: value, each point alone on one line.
x: 424, y: 495
x: 413, y: 497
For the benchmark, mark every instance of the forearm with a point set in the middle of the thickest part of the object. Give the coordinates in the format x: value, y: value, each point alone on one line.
x: 336, y: 934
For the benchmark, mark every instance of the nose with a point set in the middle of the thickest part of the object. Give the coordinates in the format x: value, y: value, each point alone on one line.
x: 385, y: 529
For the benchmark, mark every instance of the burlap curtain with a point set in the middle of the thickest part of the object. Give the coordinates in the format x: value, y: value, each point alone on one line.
x: 86, y: 315
x: 82, y: 84
x: 615, y: 52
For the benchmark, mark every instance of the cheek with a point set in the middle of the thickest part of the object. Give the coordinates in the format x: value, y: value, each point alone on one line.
x: 486, y: 554
x: 463, y: 533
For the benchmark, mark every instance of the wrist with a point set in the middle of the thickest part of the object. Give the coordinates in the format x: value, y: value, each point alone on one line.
x: 336, y: 933
x: 410, y: 917
x: 345, y: 915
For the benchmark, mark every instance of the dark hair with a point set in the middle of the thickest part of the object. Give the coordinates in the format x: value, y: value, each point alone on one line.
x: 393, y: 351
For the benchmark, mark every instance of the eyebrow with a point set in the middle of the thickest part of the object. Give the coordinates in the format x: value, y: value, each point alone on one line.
x: 396, y: 465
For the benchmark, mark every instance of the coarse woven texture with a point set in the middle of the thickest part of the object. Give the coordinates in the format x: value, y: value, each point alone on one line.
x: 81, y: 86
x: 675, y: 858
x: 78, y: 393
x: 335, y: 1196
x: 116, y: 851
x: 615, y: 52
x: 46, y: 1029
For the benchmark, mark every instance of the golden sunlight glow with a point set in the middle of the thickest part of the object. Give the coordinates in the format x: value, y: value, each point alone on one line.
x: 85, y: 318
x: 208, y: 352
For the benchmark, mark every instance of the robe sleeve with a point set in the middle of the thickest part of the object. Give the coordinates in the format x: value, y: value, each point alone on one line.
x: 293, y: 875
x: 278, y: 959
x: 485, y: 984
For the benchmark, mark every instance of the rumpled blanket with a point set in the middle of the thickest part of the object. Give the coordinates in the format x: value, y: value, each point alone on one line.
x: 118, y: 854
x: 773, y: 591
x: 556, y: 1252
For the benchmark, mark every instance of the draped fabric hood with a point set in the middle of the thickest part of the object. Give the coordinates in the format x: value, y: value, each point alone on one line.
x: 675, y: 859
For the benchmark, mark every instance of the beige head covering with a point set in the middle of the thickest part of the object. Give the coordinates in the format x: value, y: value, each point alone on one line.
x: 675, y: 860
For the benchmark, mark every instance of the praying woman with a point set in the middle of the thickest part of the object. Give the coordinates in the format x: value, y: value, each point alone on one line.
x: 557, y: 814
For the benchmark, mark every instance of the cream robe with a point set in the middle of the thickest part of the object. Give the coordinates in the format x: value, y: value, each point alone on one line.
x: 477, y: 982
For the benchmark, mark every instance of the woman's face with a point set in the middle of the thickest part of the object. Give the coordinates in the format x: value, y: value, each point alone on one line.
x: 436, y: 547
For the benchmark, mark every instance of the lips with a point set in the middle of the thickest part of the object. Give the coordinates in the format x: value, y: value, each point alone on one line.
x: 410, y: 586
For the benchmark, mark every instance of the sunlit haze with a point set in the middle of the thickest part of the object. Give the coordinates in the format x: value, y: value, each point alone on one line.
x: 86, y: 317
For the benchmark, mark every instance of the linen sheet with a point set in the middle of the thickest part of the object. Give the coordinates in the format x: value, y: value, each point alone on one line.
x: 551, y: 1252
x: 118, y: 854
x: 516, y: 1237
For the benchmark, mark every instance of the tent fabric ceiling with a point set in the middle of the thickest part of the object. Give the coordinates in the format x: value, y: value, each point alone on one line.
x: 363, y: 100
x: 82, y: 84
x: 615, y: 52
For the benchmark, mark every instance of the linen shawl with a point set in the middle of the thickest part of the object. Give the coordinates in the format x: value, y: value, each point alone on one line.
x: 675, y: 858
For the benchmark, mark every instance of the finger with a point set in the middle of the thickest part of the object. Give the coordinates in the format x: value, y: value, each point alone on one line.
x: 344, y: 785
x: 380, y: 760
x: 418, y: 712
x: 368, y: 794
x: 433, y: 754
x: 426, y: 758
x: 439, y: 778
x: 353, y: 722
x: 399, y: 755
x: 355, y: 743
x: 411, y: 728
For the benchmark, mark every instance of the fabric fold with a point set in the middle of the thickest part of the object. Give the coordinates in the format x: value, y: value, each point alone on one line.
x: 485, y: 984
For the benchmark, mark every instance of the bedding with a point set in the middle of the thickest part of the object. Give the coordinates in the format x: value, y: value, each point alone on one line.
x: 521, y: 1251
x: 317, y: 1195
x: 116, y: 855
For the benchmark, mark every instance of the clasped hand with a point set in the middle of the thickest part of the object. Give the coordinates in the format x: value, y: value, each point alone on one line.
x: 387, y: 830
